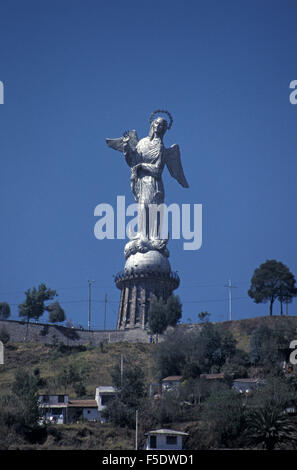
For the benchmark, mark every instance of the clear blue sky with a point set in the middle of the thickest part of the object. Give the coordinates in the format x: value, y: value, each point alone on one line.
x: 76, y: 72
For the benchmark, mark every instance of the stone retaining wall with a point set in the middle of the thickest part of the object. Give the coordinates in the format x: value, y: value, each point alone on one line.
x: 45, y: 333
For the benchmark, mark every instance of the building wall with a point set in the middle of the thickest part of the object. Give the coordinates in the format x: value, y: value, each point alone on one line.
x: 45, y: 333
x: 170, y: 385
x: 245, y: 386
x: 100, y: 398
x: 162, y: 445
x: 54, y: 399
x: 59, y: 416
x: 90, y: 414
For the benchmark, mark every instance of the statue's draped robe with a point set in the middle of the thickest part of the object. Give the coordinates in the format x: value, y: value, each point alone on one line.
x: 146, y: 184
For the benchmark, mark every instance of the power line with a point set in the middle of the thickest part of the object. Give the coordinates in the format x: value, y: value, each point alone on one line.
x: 117, y: 301
x: 80, y: 286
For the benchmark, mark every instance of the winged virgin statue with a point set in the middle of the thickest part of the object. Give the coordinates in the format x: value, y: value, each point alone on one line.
x: 147, y: 158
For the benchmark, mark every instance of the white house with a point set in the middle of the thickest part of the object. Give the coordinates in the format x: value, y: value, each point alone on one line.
x: 164, y: 439
x: 60, y: 410
x: 171, y: 383
x: 54, y: 407
x: 104, y: 394
x: 83, y: 409
x: 247, y: 385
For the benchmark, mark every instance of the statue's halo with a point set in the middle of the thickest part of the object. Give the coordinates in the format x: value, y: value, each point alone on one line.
x: 161, y: 111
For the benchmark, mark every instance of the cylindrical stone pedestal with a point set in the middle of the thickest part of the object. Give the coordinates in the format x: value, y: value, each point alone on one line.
x: 145, y: 275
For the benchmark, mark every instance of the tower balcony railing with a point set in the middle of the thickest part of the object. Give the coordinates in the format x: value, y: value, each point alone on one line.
x: 132, y: 274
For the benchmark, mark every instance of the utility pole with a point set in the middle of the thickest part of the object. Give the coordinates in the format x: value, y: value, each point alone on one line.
x: 230, y: 287
x: 105, y: 307
x: 122, y: 369
x: 89, y: 309
x: 136, y: 431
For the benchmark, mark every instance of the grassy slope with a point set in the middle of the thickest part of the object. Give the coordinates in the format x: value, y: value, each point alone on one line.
x: 88, y: 436
x: 242, y: 329
x: 99, y: 362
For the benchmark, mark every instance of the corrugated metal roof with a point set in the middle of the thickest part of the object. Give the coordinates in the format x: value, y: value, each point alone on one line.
x: 212, y: 376
x: 106, y: 389
x: 168, y: 432
x: 53, y: 405
x: 247, y: 380
x: 83, y: 404
x: 172, y: 377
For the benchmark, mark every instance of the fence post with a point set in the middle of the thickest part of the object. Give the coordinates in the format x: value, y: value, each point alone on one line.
x: 1, y: 353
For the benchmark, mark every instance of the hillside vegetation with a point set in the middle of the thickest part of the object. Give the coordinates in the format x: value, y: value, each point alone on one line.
x: 205, y: 413
x: 97, y: 362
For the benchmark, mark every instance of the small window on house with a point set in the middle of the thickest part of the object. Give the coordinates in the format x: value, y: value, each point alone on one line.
x: 45, y: 398
x: 89, y: 412
x: 60, y: 398
x: 171, y: 440
x: 153, y: 442
x: 105, y: 399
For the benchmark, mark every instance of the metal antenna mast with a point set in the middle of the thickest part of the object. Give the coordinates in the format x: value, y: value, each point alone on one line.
x: 136, y: 431
x: 105, y: 307
x: 89, y: 309
x: 122, y: 369
x: 230, y: 287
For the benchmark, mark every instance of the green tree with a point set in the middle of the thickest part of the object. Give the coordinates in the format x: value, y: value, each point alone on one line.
x: 25, y: 391
x: 20, y: 412
x: 189, y: 352
x: 204, y: 316
x: 268, y: 424
x: 80, y: 389
x: 263, y: 348
x: 217, y: 345
x: 8, y: 423
x: 178, y: 348
x: 129, y: 384
x: 70, y: 376
x: 119, y: 413
x: 277, y: 394
x: 4, y: 310
x: 270, y: 428
x: 271, y: 281
x: 173, y: 310
x: 223, y: 418
x: 269, y: 346
x: 34, y: 305
x: 163, y: 314
x: 157, y: 318
x: 168, y: 408
x: 56, y: 313
x: 228, y: 344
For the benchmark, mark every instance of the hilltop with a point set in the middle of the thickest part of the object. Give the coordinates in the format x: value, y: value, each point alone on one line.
x: 242, y: 329
x: 99, y: 360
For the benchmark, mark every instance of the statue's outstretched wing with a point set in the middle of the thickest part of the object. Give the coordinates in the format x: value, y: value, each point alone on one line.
x: 174, y: 165
x: 133, y: 139
x: 117, y: 144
